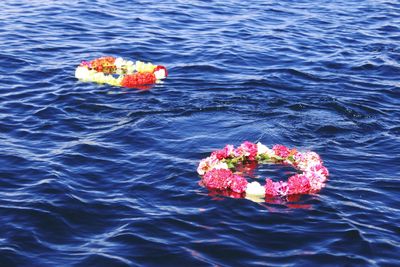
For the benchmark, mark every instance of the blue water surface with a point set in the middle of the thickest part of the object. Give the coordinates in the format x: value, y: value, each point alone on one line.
x: 95, y: 175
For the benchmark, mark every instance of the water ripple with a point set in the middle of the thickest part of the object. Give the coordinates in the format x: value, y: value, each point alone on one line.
x: 94, y: 175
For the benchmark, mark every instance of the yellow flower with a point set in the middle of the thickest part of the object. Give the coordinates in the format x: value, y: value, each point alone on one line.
x: 144, y: 67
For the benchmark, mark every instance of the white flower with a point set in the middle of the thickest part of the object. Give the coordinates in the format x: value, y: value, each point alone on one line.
x: 99, y: 77
x: 255, y: 189
x: 119, y: 62
x: 160, y: 74
x: 130, y: 67
x: 262, y: 149
x: 221, y: 165
x: 119, y: 71
x: 81, y: 72
x: 139, y: 65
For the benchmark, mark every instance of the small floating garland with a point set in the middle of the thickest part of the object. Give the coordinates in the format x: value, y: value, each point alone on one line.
x: 120, y: 72
x: 218, y: 170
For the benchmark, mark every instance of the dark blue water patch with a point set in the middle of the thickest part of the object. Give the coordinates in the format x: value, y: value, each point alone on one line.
x: 95, y: 175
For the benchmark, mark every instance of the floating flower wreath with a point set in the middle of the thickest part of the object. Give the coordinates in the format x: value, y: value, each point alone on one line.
x: 218, y: 170
x: 120, y: 72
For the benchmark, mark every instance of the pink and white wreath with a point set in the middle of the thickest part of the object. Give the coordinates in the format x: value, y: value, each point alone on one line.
x: 218, y: 170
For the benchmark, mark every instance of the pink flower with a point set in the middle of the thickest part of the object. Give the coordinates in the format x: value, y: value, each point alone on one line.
x: 238, y: 183
x: 229, y: 149
x: 218, y: 179
x: 247, y: 149
x: 316, y: 180
x: 224, y: 153
x: 298, y: 184
x: 306, y: 160
x: 312, y: 159
x: 298, y: 158
x: 281, y: 188
x: 219, y: 154
x: 85, y: 64
x: 320, y: 169
x: 281, y: 151
x: 270, y: 188
x: 312, y: 156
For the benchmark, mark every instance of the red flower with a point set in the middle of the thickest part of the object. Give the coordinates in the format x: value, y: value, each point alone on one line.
x: 133, y: 80
x: 219, y: 154
x: 224, y: 153
x: 159, y: 67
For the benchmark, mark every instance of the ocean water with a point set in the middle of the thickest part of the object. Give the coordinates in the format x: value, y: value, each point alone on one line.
x: 95, y: 175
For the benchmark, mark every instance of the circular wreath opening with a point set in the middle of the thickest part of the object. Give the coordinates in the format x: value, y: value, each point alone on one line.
x: 219, y: 170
